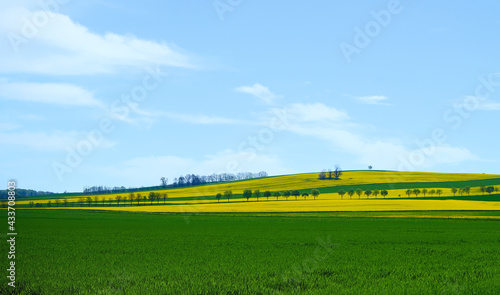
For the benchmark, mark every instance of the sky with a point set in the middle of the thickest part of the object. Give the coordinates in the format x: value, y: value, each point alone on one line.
x: 122, y: 93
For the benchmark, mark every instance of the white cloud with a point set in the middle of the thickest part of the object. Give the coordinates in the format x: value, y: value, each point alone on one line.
x: 53, y: 93
x: 171, y: 166
x: 316, y: 112
x: 261, y: 92
x: 479, y: 104
x: 201, y: 119
x: 374, y: 99
x: 48, y: 141
x: 331, y: 126
x: 61, y: 46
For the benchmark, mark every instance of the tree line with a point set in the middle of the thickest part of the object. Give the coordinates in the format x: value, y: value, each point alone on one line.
x: 131, y: 199
x: 360, y: 192
x: 247, y: 194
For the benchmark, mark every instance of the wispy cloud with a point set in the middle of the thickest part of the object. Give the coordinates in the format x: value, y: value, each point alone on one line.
x: 68, y: 48
x: 374, y: 99
x: 200, y: 119
x: 47, y: 141
x: 52, y: 93
x: 479, y: 103
x: 261, y: 92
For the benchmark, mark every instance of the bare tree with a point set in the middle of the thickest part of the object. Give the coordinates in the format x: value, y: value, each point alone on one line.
x: 337, y: 172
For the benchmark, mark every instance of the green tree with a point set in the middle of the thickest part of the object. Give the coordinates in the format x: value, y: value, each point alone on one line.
x: 454, y: 191
x: 416, y: 192
x: 256, y: 194
x: 439, y: 192
x: 49, y: 203
x: 151, y: 197
x: 432, y: 192
x: 89, y: 201
x: 218, y: 196
x: 467, y: 190
x: 5, y: 202
x: 287, y: 194
x: 296, y: 193
x: 384, y: 193
x: 409, y: 192
x: 482, y: 189
x: 247, y: 194
x: 424, y: 191
x: 228, y: 194
x: 65, y: 201
x: 368, y: 193
x: 118, y: 199
x: 350, y: 193
x: 277, y: 195
x: 139, y: 198
x: 131, y: 197
x: 165, y: 196
x: 376, y: 192
x: 315, y: 193
x: 267, y: 194
x: 337, y: 172
x: 341, y: 193
x: 490, y: 189
x: 359, y: 192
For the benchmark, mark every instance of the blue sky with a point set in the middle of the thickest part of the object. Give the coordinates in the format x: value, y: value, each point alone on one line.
x: 121, y: 93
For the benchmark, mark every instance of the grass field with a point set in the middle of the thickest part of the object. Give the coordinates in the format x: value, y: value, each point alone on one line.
x: 85, y: 252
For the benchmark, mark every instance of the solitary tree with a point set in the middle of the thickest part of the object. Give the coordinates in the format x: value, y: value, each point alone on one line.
x: 416, y: 192
x: 267, y: 194
x: 384, y: 193
x: 315, y: 193
x: 296, y: 193
x: 375, y: 192
x: 277, y: 195
x: 218, y: 196
x: 424, y: 191
x: 359, y: 192
x: 454, y: 191
x: 286, y: 194
x: 370, y: 167
x: 228, y: 194
x: 409, y: 192
x: 341, y: 193
x: 247, y: 194
x: 350, y: 193
x: 256, y: 194
x: 439, y: 192
x: 337, y: 172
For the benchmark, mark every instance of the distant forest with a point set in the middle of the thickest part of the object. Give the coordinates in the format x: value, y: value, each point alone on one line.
x: 181, y: 181
x: 24, y: 193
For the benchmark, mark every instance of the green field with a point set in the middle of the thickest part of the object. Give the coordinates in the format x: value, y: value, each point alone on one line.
x: 86, y: 252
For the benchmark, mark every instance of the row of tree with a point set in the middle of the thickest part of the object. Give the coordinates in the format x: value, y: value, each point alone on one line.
x: 360, y: 192
x: 247, y: 194
x: 134, y: 199
x: 191, y: 179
